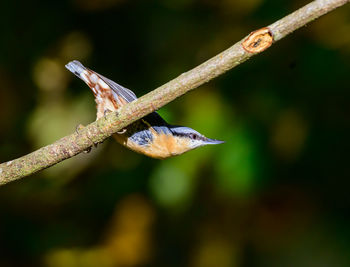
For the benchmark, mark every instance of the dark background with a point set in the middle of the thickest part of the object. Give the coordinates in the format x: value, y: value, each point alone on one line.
x: 275, y: 194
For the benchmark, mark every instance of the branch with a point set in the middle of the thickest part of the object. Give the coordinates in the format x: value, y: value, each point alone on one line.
x: 101, y: 129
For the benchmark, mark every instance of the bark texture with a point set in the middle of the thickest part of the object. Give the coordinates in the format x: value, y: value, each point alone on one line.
x: 101, y: 129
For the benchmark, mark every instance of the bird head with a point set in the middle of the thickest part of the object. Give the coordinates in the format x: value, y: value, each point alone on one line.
x: 194, y: 138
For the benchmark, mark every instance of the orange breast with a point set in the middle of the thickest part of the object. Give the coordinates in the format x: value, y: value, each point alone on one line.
x: 163, y: 146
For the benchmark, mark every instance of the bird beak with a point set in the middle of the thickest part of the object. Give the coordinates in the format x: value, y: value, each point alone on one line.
x: 213, y: 141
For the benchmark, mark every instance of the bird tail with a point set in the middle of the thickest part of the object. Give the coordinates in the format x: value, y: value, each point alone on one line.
x: 76, y: 67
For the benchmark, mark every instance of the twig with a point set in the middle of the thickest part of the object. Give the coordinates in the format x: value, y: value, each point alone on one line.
x: 99, y: 130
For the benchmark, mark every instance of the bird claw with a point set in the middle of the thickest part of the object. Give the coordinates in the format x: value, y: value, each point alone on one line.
x: 78, y: 128
x: 88, y: 150
x: 106, y: 112
x: 123, y: 131
x: 95, y: 144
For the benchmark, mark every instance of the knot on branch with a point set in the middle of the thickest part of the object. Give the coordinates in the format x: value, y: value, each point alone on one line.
x: 258, y: 41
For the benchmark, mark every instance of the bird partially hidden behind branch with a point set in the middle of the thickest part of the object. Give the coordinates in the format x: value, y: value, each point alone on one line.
x: 151, y: 135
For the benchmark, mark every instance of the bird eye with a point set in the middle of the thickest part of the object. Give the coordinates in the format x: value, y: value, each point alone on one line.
x: 194, y: 136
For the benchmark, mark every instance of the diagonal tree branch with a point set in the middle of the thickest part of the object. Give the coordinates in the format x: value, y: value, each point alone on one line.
x: 99, y: 130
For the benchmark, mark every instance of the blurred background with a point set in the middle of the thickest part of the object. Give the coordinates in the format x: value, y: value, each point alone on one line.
x: 275, y: 194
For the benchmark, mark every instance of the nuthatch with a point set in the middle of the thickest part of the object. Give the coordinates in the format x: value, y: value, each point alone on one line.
x: 151, y: 135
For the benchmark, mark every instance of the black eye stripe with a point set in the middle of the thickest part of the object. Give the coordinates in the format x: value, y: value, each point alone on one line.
x: 189, y: 135
x: 179, y: 134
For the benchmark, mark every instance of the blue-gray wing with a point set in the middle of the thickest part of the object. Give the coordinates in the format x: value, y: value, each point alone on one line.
x: 87, y: 76
x: 125, y: 93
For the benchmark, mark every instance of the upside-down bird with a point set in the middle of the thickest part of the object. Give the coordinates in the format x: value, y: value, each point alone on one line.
x: 151, y: 135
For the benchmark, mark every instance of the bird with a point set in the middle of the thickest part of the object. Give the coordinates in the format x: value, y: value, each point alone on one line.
x: 151, y: 135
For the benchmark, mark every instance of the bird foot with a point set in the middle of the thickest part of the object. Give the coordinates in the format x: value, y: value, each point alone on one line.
x: 78, y: 128
x: 106, y: 112
x: 123, y: 131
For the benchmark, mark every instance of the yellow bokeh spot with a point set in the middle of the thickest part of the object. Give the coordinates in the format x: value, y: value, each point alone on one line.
x: 49, y: 75
x: 75, y: 45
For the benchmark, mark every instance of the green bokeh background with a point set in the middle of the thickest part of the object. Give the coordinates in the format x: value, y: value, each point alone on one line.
x: 275, y: 194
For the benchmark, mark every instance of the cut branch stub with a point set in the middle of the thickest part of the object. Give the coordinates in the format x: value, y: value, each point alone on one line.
x: 99, y: 130
x: 258, y: 41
